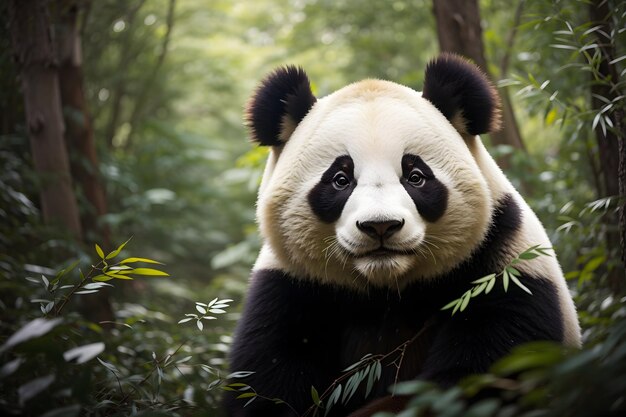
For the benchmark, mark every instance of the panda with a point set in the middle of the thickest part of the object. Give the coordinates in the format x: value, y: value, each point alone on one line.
x: 378, y: 206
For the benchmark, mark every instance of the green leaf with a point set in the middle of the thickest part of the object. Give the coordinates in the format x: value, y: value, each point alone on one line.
x: 315, y: 396
x: 451, y: 304
x: 466, y: 299
x: 490, y: 286
x: 108, y: 365
x: 35, y: 328
x: 246, y: 395
x: 150, y: 271
x: 34, y: 387
x: 478, y: 289
x: 145, y: 260
x: 528, y: 255
x: 84, y: 353
x: 334, y: 397
x: 118, y: 275
x: 457, y: 306
x: 505, y: 280
x: 370, y: 380
x: 99, y: 251
x: 65, y: 271
x: 117, y: 251
x: 239, y: 374
x: 513, y: 271
x: 484, y: 279
x: 519, y: 284
x: 102, y: 278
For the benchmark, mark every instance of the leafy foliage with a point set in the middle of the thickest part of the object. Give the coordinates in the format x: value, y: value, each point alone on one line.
x: 166, y: 94
x: 50, y: 361
x: 486, y: 283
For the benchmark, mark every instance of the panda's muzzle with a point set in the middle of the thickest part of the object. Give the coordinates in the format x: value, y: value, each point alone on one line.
x: 380, y: 230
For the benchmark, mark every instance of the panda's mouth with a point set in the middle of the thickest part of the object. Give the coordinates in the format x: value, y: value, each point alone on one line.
x: 383, y: 252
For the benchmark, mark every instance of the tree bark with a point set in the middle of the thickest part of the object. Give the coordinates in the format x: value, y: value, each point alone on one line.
x: 459, y: 31
x: 79, y: 133
x: 611, y: 149
x: 81, y: 145
x: 35, y: 57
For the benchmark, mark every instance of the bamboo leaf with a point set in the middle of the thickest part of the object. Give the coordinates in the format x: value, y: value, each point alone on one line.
x: 490, y: 285
x: 484, y: 279
x: 479, y: 289
x: 144, y: 260
x: 150, y: 272
x: 99, y: 251
x: 334, y: 397
x: 117, y: 251
x: 315, y: 396
x: 505, y: 280
x: 466, y: 299
x: 519, y: 284
x: 102, y: 278
x: 451, y: 304
x: 528, y: 255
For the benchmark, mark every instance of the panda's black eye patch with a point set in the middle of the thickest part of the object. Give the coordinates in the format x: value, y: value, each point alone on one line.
x: 429, y: 194
x: 330, y: 195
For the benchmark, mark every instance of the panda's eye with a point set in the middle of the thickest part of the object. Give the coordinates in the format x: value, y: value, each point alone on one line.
x: 416, y: 178
x: 341, y: 181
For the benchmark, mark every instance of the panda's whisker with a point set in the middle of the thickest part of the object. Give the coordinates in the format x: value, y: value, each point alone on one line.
x: 426, y: 246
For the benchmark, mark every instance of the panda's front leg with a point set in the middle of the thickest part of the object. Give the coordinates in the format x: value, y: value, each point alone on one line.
x: 471, y: 341
x: 285, y: 338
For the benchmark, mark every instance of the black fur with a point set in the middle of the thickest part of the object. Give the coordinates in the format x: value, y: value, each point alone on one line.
x: 286, y: 92
x: 431, y: 199
x: 327, y: 202
x: 459, y: 88
x: 296, y: 333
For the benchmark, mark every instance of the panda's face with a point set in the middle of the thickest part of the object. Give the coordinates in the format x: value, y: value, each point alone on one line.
x: 374, y: 187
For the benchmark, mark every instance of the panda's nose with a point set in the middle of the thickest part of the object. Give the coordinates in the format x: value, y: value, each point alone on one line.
x: 380, y: 230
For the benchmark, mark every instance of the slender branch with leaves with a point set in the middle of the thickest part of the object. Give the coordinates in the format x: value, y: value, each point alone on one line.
x: 105, y: 270
x: 508, y: 274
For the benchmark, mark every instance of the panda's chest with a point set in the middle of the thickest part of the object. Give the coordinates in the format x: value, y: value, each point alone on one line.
x: 393, y: 332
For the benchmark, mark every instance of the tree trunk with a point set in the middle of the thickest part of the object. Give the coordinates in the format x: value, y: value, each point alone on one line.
x: 35, y: 58
x: 82, y: 148
x: 118, y: 92
x: 459, y: 31
x: 79, y: 129
x: 610, y: 144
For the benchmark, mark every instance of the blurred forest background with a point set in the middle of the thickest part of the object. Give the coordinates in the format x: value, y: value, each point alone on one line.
x: 123, y: 119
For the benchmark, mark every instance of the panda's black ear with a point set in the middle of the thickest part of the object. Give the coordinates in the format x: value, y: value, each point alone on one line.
x: 279, y: 103
x: 462, y: 92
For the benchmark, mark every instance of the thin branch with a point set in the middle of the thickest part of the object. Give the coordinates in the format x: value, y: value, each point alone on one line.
x: 510, y: 40
x: 139, y: 107
x: 375, y: 358
x: 119, y: 91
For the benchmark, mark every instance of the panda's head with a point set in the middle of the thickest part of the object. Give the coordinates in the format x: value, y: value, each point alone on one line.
x: 374, y: 184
